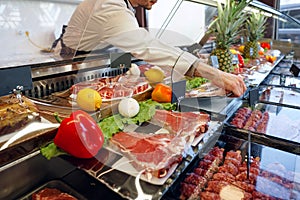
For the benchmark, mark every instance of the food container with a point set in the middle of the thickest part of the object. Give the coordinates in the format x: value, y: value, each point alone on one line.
x: 281, y: 96
x: 282, y: 69
x: 56, y: 184
x: 274, y: 174
x: 282, y: 80
x: 116, y: 172
x: 275, y: 125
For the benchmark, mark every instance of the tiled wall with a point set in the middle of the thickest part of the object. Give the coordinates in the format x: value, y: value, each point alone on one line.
x: 43, y: 21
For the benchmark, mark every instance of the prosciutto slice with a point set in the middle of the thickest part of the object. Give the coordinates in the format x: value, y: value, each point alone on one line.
x: 154, y: 153
x: 111, y: 88
x: 182, y: 123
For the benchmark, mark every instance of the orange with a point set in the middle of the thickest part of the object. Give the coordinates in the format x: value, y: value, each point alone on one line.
x: 271, y: 58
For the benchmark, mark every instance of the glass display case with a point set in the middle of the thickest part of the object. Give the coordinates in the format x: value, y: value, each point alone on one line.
x: 204, y: 123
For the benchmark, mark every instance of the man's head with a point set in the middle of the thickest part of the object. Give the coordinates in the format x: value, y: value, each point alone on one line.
x: 147, y: 4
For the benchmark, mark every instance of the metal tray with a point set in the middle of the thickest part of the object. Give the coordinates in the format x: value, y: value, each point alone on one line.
x: 281, y: 96
x: 282, y: 80
x: 57, y: 184
x: 132, y: 186
x: 279, y: 164
x: 282, y: 69
x: 282, y: 129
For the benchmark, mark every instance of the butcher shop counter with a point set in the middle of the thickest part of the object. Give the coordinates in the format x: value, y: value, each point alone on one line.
x: 274, y: 174
x: 99, y: 179
x: 102, y: 175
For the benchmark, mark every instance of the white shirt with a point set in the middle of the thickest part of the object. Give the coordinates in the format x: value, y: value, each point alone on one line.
x: 96, y: 24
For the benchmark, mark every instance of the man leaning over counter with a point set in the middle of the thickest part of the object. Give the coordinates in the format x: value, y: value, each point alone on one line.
x: 96, y: 24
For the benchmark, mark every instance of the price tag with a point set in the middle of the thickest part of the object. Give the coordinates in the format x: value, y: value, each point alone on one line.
x: 251, y: 51
x: 214, y: 61
x: 13, y: 77
x: 178, y: 91
x: 120, y: 60
x: 295, y: 70
x: 253, y: 96
x: 235, y: 59
x: 282, y: 79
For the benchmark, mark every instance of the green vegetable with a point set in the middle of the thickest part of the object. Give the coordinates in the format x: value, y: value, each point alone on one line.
x: 195, y: 82
x: 117, y: 122
x: 52, y: 151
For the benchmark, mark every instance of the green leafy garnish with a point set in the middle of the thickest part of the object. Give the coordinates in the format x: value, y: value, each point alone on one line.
x: 51, y: 151
x: 115, y: 123
x: 195, y: 82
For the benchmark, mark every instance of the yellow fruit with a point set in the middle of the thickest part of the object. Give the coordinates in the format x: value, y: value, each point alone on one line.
x: 241, y: 48
x: 154, y: 75
x: 233, y: 51
x: 88, y: 99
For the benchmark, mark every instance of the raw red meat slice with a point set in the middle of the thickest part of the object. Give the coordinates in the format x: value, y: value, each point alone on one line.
x: 113, y: 87
x: 52, y: 194
x: 182, y: 123
x: 154, y: 153
x: 206, y: 195
x: 96, y: 83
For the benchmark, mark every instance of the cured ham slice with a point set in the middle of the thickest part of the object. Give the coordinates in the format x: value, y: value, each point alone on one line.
x: 182, y: 123
x: 111, y: 88
x: 154, y: 153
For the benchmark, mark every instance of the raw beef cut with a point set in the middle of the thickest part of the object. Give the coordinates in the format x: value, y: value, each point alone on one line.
x: 52, y: 194
x: 154, y: 153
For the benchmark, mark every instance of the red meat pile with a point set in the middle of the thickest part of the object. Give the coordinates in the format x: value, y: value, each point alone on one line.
x: 213, y: 174
x: 255, y: 120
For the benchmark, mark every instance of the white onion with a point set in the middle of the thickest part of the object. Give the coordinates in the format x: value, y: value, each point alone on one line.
x: 128, y: 107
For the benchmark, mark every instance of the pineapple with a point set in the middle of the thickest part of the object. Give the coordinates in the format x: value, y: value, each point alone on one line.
x: 226, y: 28
x: 255, y: 30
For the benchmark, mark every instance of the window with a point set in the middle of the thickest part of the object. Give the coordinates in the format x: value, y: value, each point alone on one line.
x: 289, y: 31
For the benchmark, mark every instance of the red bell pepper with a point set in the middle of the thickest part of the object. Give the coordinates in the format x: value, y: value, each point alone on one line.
x: 241, y: 60
x: 265, y: 45
x: 79, y: 135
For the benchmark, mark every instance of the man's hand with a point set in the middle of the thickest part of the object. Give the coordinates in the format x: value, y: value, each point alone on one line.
x: 229, y: 82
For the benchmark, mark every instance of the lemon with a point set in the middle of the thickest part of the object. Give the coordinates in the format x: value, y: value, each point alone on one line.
x: 233, y: 51
x: 154, y: 75
x: 88, y: 99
